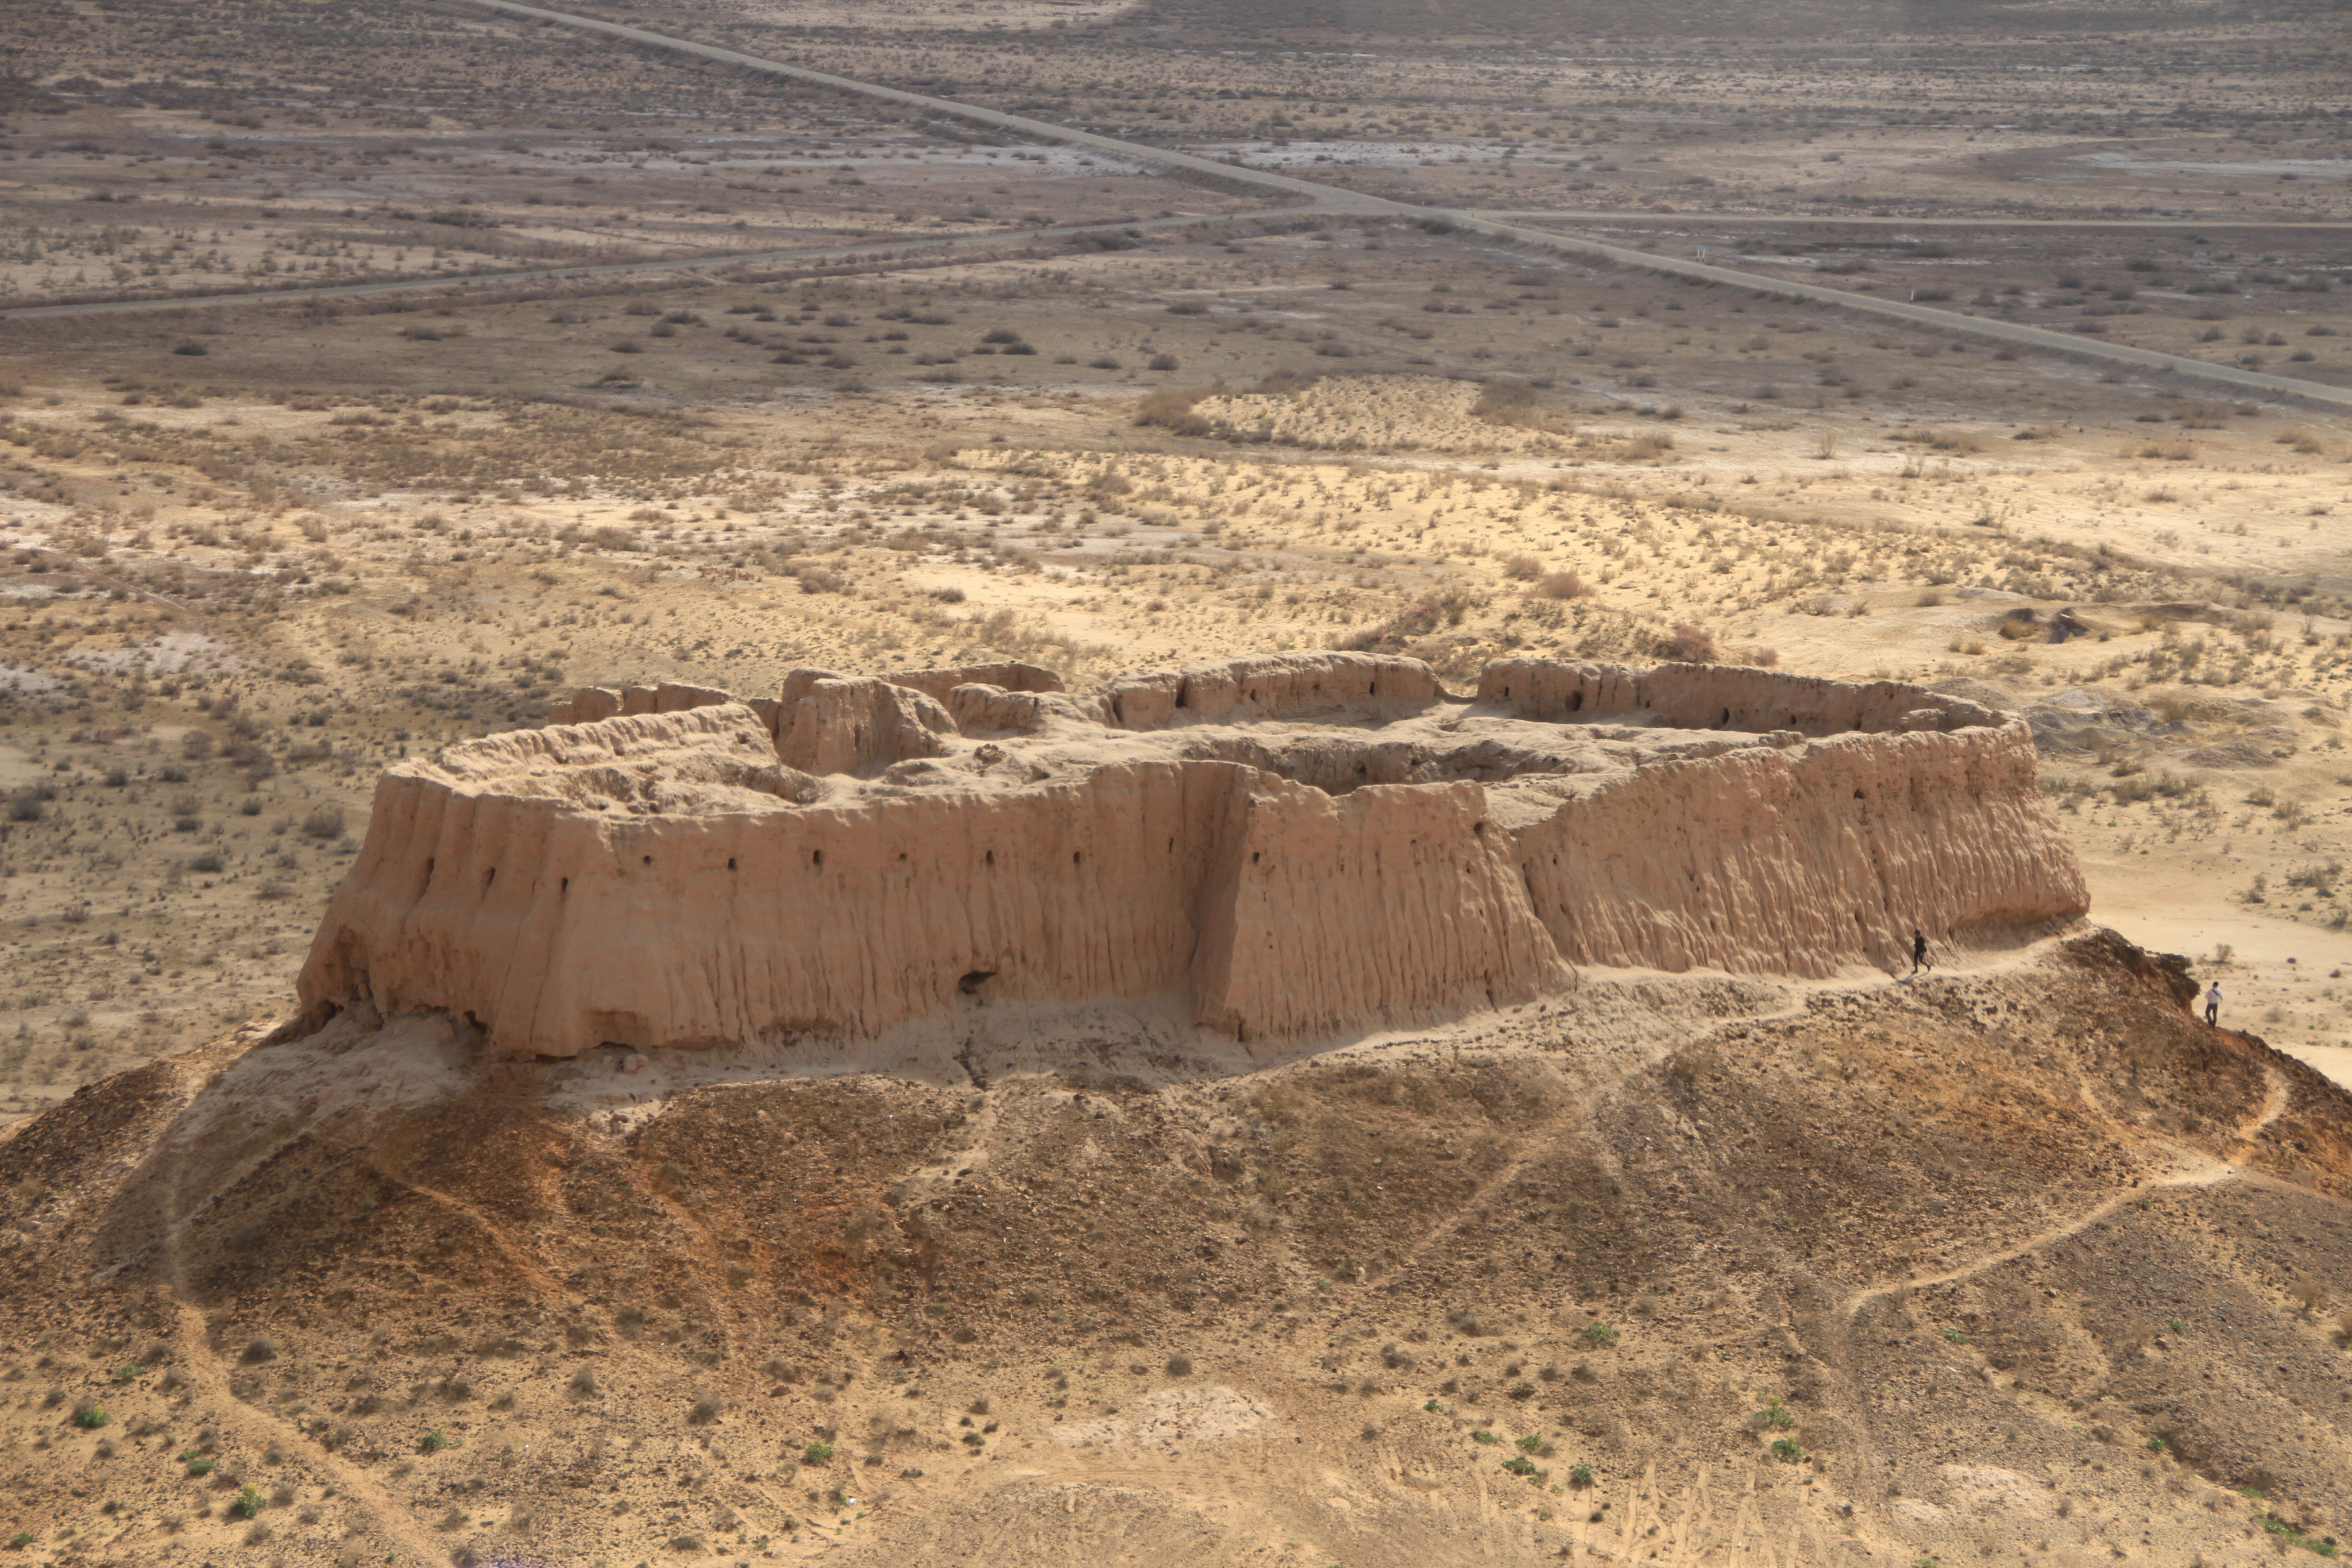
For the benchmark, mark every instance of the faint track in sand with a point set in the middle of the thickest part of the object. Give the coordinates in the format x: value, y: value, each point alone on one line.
x: 2202, y: 1170
x: 911, y: 250
x: 1830, y: 220
x: 1337, y: 199
x: 207, y: 1375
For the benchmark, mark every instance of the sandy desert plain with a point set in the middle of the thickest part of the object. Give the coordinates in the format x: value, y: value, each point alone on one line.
x: 371, y: 376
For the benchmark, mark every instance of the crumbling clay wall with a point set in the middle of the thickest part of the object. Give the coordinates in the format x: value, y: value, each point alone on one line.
x: 1800, y: 860
x: 555, y: 929
x: 707, y: 870
x: 1719, y: 697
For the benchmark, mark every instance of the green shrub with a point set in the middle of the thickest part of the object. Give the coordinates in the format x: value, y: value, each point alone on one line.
x: 125, y: 1374
x: 1519, y: 1464
x: 1579, y: 1475
x: 2289, y: 1536
x: 817, y: 1454
x: 1484, y: 1437
x: 1785, y: 1449
x: 1600, y: 1334
x: 89, y: 1417
x: 1530, y: 1443
x: 249, y: 1501
x: 1775, y: 1415
x: 433, y: 1442
x: 199, y: 1464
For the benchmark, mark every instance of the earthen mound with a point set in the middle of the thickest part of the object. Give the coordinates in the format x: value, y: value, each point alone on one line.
x: 1277, y: 847
x: 1953, y: 1268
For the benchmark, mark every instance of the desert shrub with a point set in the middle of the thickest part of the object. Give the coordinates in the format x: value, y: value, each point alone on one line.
x: 1171, y: 409
x: 2318, y: 877
x: 434, y: 1441
x: 90, y: 1415
x: 1163, y: 362
x: 1599, y: 1333
x: 1688, y: 644
x: 706, y: 1410
x: 324, y: 822
x: 1180, y: 1366
x: 1523, y: 569
x: 248, y: 1502
x: 1563, y: 585
x: 817, y: 1453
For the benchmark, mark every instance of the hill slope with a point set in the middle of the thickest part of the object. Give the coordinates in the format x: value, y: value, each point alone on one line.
x: 1971, y: 1246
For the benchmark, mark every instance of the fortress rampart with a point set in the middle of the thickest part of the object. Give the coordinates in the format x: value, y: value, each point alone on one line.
x: 1288, y: 844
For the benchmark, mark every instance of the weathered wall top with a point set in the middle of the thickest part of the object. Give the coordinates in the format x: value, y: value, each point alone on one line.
x: 1292, y: 843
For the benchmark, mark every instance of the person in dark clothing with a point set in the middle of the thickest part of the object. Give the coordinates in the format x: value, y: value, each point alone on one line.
x: 2213, y: 1003
x: 1919, y: 950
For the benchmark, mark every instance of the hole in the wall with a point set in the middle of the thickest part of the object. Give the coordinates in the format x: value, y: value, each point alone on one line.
x: 991, y: 857
x: 971, y: 983
x: 1576, y: 703
x: 489, y: 876
x: 817, y: 856
x: 428, y: 867
x: 1074, y: 857
x: 649, y: 860
x: 731, y: 862
x: 563, y: 887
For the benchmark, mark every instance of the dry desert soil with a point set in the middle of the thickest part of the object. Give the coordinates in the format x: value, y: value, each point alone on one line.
x: 373, y: 375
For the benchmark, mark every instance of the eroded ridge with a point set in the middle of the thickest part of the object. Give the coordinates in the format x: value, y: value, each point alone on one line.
x: 1283, y: 843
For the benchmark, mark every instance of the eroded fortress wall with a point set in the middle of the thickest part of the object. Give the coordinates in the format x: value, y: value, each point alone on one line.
x: 677, y: 877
